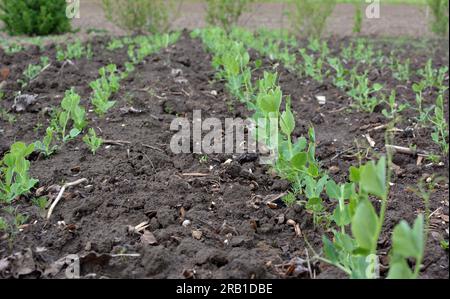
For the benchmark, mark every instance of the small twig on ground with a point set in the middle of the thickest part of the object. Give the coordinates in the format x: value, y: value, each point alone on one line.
x: 126, y: 255
x: 370, y: 140
x: 341, y: 153
x: 61, y: 193
x: 380, y: 127
x: 42, y: 70
x: 149, y: 160
x: 337, y: 110
x: 68, y: 61
x: 116, y: 142
x: 271, y: 197
x: 435, y: 211
x: 195, y: 174
x: 154, y: 117
x: 405, y: 150
x: 309, y: 264
x: 152, y: 147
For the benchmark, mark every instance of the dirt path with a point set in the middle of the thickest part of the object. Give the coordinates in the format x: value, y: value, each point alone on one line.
x: 395, y: 20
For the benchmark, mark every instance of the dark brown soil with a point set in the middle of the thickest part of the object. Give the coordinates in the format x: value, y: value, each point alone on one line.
x: 241, y: 236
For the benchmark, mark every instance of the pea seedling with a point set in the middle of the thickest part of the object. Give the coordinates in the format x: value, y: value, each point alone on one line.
x: 357, y: 254
x: 313, y: 191
x: 312, y: 67
x: 14, y: 48
x: 4, y: 114
x: 71, y: 110
x: 394, y: 108
x: 432, y: 77
x: 363, y: 52
x: 14, y: 178
x: 289, y: 199
x: 92, y: 141
x: 33, y: 71
x: 444, y: 244
x: 440, y: 134
x: 401, y: 71
x: 418, y: 89
x: 12, y: 227
x: 103, y: 88
x: 115, y: 44
x: 362, y: 92
x: 339, y: 80
x: 74, y: 51
x: 45, y: 146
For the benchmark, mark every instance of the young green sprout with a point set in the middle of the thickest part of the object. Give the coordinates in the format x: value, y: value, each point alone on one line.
x: 33, y: 71
x: 92, y: 141
x: 339, y: 79
x: 103, y: 88
x: 312, y: 67
x: 444, y: 244
x: 401, y: 71
x: 289, y: 199
x: 14, y: 177
x: 12, y: 227
x: 440, y: 126
x: 45, y: 146
x: 71, y: 110
x: 74, y: 51
x: 394, y: 107
x: 363, y: 94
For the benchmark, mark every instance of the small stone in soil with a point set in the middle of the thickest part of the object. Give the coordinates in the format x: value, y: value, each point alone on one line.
x: 196, y: 234
x: 280, y: 219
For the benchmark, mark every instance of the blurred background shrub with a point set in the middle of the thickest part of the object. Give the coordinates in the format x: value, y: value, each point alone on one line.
x: 309, y: 17
x: 439, y: 22
x: 139, y: 16
x: 225, y: 13
x: 34, y: 17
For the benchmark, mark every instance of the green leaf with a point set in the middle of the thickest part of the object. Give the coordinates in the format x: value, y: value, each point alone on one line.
x: 409, y: 242
x: 355, y: 174
x: 74, y: 133
x: 400, y: 270
x: 333, y: 190
x: 417, y: 88
x: 266, y: 104
x: 329, y: 250
x: 299, y: 160
x: 361, y: 251
x: 344, y: 241
x: 315, y: 204
x: 313, y: 170
x: 321, y: 184
x: 300, y: 145
x: 377, y: 87
x: 349, y: 190
x: 365, y: 225
x: 287, y: 123
x: 373, y: 178
x: 360, y: 267
x: 312, y: 135
x: 342, y: 217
